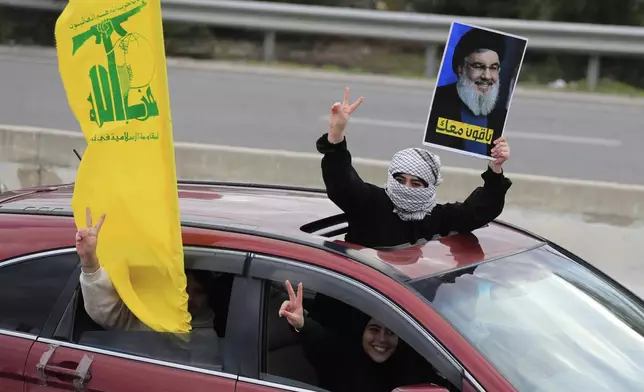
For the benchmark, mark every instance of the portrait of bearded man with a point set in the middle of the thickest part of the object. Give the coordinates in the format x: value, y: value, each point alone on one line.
x: 474, y: 98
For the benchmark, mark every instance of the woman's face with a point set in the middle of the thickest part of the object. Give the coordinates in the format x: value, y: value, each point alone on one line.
x: 378, y: 341
x: 197, y: 297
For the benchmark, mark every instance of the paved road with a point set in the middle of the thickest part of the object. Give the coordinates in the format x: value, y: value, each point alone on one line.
x: 614, y: 249
x: 554, y: 138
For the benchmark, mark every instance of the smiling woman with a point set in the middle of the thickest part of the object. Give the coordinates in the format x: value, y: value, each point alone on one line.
x: 378, y: 341
x: 352, y: 352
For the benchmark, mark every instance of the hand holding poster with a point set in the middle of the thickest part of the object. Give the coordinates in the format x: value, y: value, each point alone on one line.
x: 473, y: 90
x: 112, y: 63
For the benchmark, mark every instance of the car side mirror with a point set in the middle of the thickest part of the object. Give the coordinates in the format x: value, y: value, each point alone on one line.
x: 421, y: 388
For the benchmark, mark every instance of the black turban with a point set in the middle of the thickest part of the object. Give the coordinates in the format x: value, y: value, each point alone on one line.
x: 477, y: 39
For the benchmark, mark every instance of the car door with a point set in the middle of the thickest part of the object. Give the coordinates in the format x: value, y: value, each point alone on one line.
x: 29, y: 287
x: 74, y: 352
x: 280, y: 365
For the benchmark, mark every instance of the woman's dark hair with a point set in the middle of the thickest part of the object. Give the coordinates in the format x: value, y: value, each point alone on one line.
x: 204, y: 278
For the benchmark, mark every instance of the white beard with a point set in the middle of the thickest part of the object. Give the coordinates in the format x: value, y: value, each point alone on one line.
x: 479, y: 104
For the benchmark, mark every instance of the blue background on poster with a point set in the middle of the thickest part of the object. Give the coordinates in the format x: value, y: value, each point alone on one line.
x: 446, y: 75
x: 510, y: 64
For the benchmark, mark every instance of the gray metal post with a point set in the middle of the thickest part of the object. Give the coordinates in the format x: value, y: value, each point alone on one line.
x: 431, y: 60
x: 269, y: 46
x: 592, y: 75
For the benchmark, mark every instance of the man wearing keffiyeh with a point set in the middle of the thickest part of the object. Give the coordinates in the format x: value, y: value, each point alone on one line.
x: 405, y: 210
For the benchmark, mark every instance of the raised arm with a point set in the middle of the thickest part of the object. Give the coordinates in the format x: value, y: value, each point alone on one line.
x: 343, y: 184
x: 485, y: 203
x: 102, y: 302
x: 320, y: 346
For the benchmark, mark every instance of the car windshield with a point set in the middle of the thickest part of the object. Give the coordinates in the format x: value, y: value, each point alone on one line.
x: 545, y: 322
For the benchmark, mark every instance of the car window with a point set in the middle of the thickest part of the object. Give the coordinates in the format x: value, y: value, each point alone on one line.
x: 203, y: 347
x: 29, y: 290
x: 340, y: 309
x: 337, y: 343
x: 546, y: 322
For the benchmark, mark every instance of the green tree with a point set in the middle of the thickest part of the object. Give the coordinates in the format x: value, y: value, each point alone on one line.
x: 619, y: 12
x: 616, y: 12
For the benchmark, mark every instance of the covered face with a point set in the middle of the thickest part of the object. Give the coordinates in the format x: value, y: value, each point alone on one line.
x: 412, y: 179
x: 378, y: 342
x: 477, y: 62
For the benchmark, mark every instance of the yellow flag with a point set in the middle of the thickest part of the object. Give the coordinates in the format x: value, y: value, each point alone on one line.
x: 111, y: 59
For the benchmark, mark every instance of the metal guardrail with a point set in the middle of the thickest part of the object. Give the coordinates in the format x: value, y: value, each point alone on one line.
x: 272, y: 18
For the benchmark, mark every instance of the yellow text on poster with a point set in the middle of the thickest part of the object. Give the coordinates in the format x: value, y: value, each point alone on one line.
x: 464, y: 130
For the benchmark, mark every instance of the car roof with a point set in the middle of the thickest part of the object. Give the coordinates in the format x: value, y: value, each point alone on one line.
x: 301, y: 215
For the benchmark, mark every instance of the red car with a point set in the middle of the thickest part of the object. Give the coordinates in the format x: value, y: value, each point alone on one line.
x: 495, y: 310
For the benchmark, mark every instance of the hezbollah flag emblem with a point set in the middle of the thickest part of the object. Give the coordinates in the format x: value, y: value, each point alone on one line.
x: 112, y: 63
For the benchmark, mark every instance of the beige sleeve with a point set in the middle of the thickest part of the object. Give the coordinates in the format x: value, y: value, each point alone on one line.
x: 103, y: 304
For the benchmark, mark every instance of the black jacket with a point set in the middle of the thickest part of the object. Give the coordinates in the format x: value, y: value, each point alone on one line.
x: 342, y: 365
x: 448, y: 104
x: 372, y: 222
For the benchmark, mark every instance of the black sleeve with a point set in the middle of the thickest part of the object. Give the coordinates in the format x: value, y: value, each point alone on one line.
x: 319, y: 344
x: 344, y: 186
x: 482, y: 206
x: 414, y: 369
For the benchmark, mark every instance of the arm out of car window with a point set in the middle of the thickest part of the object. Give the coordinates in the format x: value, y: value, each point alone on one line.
x: 103, y: 304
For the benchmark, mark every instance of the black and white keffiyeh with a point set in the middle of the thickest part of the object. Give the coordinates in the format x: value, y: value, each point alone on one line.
x: 414, y: 203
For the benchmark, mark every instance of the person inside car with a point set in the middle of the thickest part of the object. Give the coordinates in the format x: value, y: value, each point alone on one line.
x: 102, y: 302
x: 373, y: 360
x: 405, y: 211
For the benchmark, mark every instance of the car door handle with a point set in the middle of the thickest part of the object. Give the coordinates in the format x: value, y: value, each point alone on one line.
x: 81, y: 375
x: 59, y: 371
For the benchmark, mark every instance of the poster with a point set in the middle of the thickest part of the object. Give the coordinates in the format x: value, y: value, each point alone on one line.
x: 474, y: 88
